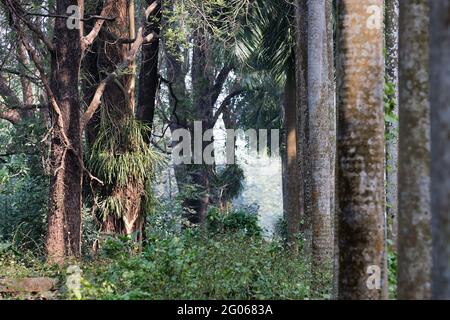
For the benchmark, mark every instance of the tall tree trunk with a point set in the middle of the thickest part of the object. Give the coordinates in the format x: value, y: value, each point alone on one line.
x: 320, y: 101
x: 333, y: 136
x: 293, y: 208
x: 301, y: 75
x: 202, y: 83
x: 64, y: 210
x: 440, y: 146
x: 148, y: 77
x: 117, y: 110
x: 414, y: 233
x: 391, y: 23
x: 361, y: 149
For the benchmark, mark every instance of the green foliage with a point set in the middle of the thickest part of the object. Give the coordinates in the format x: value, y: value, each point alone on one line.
x: 392, y: 270
x: 267, y: 39
x: 390, y: 117
x: 229, y: 182
x: 191, y: 266
x: 240, y: 221
x: 23, y: 185
x: 122, y: 156
x: 261, y: 105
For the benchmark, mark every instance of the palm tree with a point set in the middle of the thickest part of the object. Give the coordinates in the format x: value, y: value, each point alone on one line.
x: 267, y: 42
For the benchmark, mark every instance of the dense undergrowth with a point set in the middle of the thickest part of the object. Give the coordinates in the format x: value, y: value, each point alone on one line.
x: 229, y: 260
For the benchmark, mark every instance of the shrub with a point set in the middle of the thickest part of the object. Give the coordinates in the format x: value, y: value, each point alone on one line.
x: 242, y: 220
x: 193, y: 266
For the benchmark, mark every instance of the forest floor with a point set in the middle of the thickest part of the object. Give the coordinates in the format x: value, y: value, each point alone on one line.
x: 187, y: 266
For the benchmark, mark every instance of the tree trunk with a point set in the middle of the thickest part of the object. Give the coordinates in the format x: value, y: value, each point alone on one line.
x: 293, y: 208
x: 361, y: 149
x: 391, y: 14
x: 333, y: 150
x: 148, y: 77
x: 320, y: 102
x: 117, y: 110
x: 64, y: 210
x: 202, y: 84
x: 27, y: 88
x: 440, y: 146
x: 414, y: 233
x: 301, y: 75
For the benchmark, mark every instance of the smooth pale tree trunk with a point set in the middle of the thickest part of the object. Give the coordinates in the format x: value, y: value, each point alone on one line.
x: 360, y: 143
x: 414, y: 229
x: 292, y: 174
x: 391, y: 34
x: 440, y: 146
x: 320, y: 101
x: 301, y: 75
x: 64, y: 208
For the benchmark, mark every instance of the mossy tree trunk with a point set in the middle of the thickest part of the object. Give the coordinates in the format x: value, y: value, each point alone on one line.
x: 118, y: 112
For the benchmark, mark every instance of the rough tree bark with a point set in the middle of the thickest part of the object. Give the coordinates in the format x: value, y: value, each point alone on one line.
x: 391, y: 24
x: 414, y: 229
x: 333, y: 150
x: 361, y: 149
x: 440, y: 146
x: 301, y: 75
x: 107, y: 53
x: 320, y: 101
x: 64, y: 208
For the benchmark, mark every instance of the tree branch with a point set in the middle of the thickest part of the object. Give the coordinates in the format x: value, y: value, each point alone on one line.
x: 219, y: 82
x: 225, y: 103
x: 20, y: 73
x: 8, y: 95
x: 13, y: 116
x: 140, y: 39
x: 15, y: 9
x: 90, y: 38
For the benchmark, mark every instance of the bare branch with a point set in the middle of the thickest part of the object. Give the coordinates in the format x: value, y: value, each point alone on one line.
x: 225, y: 103
x: 90, y: 38
x: 16, y: 10
x: 20, y: 73
x: 220, y: 81
x: 89, y: 18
